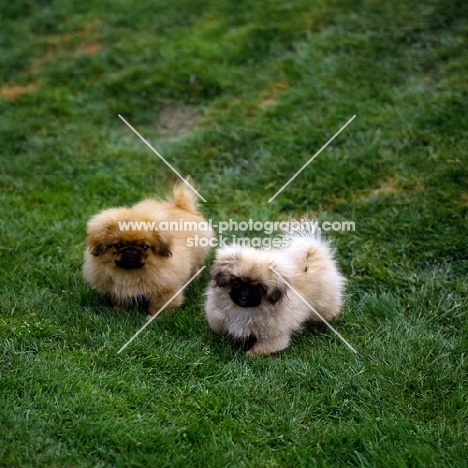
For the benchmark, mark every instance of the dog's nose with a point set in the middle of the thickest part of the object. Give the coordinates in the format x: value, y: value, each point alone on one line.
x: 130, y: 259
x: 245, y: 298
x: 131, y: 254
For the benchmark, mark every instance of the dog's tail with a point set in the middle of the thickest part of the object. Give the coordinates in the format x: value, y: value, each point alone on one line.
x: 313, y: 256
x: 305, y: 232
x: 306, y: 242
x: 184, y: 197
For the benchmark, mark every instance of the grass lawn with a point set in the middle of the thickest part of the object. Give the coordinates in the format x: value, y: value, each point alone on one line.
x: 239, y: 95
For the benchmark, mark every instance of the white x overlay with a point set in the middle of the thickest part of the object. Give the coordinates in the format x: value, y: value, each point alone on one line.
x: 161, y: 309
x: 271, y: 199
x: 313, y: 310
x: 162, y: 159
x: 311, y: 159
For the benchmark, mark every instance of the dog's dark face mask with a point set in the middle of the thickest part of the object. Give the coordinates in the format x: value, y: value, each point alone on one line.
x: 131, y: 258
x: 245, y: 294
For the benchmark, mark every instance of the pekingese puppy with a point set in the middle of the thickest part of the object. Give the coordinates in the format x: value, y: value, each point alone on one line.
x: 266, y: 295
x: 136, y: 256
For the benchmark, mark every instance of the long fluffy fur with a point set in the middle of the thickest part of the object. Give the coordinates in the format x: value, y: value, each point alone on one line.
x: 169, y: 262
x: 307, y: 264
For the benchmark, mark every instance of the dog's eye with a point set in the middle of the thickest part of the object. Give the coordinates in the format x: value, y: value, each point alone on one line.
x: 118, y: 246
x: 145, y: 247
x: 261, y: 289
x: 236, y: 282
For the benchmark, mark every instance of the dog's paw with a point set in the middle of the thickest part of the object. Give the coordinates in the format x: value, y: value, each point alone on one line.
x: 261, y: 351
x: 267, y: 347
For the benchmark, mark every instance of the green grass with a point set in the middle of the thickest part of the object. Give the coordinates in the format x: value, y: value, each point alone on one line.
x: 239, y: 95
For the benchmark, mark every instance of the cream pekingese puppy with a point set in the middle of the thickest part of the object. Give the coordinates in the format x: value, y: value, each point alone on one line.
x: 250, y: 293
x: 138, y: 263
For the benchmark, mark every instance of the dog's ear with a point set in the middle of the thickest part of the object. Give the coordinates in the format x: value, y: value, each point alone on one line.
x: 220, y: 277
x: 100, y: 231
x: 161, y: 245
x: 97, y: 249
x: 163, y: 250
x: 275, y: 295
x: 96, y: 244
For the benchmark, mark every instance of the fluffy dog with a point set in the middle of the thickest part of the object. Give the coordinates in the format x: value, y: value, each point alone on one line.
x: 140, y: 263
x: 250, y: 296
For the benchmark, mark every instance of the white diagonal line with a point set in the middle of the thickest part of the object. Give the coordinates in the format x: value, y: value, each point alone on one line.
x: 162, y: 308
x: 167, y: 163
x: 312, y: 158
x: 313, y: 310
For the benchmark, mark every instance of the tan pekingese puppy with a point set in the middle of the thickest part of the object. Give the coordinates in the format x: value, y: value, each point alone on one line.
x: 255, y: 293
x: 149, y: 261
